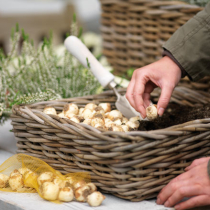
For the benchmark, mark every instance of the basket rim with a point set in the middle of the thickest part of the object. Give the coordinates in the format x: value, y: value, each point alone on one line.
x: 29, y: 111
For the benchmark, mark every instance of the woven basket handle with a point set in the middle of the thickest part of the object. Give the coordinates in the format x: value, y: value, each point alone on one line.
x: 86, y: 58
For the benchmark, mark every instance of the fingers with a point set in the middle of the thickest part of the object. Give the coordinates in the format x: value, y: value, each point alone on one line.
x: 129, y: 92
x: 200, y: 200
x: 164, y: 98
x: 197, y: 162
x: 182, y: 192
x: 149, y: 87
x: 146, y: 99
x: 139, y: 89
x: 172, y: 187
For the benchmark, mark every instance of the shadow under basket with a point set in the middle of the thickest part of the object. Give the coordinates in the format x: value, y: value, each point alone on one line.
x: 135, y: 165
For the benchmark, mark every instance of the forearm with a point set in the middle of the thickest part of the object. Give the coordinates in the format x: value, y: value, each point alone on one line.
x: 208, y: 169
x: 190, y: 45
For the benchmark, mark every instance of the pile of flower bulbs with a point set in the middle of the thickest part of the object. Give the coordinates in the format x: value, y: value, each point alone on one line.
x: 102, y: 116
x: 52, y: 187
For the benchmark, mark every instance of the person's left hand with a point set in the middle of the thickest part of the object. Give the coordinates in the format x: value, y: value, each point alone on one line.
x: 194, y: 184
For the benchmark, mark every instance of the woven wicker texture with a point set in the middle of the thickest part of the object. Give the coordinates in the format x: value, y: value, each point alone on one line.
x: 134, y: 165
x: 134, y: 31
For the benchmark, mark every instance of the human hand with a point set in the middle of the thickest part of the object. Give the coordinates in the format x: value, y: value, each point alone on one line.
x: 194, y: 184
x: 164, y: 73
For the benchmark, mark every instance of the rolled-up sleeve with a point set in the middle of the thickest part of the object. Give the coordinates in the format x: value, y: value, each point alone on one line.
x: 190, y: 45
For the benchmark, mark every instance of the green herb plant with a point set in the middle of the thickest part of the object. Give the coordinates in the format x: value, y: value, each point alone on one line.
x: 38, y: 74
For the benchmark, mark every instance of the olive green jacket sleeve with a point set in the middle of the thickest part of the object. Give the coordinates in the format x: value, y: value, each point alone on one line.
x: 190, y: 45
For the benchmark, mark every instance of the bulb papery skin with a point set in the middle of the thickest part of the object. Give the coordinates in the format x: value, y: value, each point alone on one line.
x: 116, y: 128
x: 106, y: 107
x: 16, y: 180
x: 87, y: 113
x: 61, y: 183
x: 69, y: 115
x: 118, y: 122
x: 87, y: 121
x: 114, y: 115
x: 66, y: 194
x: 69, y: 181
x: 134, y: 119
x: 133, y: 126
x: 24, y: 170
x: 70, y: 108
x: 90, y: 106
x: 95, y: 199
x: 45, y: 177
x: 29, y: 179
x: 125, y: 128
x: 92, y: 186
x: 124, y: 120
x: 81, y: 110
x: 75, y: 119
x: 61, y: 115
x: 50, y: 191
x: 3, y: 180
x: 151, y: 112
x: 50, y: 110
x: 81, y: 193
x: 97, y: 119
x: 78, y: 184
x: 99, y: 110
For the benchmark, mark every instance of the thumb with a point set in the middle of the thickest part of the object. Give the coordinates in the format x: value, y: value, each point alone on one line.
x: 164, y: 99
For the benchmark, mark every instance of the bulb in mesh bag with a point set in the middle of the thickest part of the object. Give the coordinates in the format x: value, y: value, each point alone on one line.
x: 92, y: 186
x: 16, y: 180
x: 45, y: 177
x: 3, y: 180
x: 49, y: 191
x: 81, y: 193
x: 66, y: 194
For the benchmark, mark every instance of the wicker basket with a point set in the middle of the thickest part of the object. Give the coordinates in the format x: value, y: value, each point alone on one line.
x: 133, y: 165
x: 134, y: 31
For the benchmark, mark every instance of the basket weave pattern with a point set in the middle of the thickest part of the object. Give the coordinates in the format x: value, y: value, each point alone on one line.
x: 134, y: 31
x: 134, y: 165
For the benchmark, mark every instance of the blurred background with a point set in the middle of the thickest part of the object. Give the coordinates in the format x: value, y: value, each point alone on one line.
x: 39, y: 17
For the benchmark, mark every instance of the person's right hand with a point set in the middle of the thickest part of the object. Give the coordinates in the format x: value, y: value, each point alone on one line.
x: 193, y: 184
x: 164, y: 73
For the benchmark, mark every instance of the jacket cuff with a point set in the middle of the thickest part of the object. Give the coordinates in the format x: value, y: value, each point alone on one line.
x: 167, y: 53
x: 208, y: 169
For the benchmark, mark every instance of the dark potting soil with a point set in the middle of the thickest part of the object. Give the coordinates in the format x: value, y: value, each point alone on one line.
x: 175, y: 115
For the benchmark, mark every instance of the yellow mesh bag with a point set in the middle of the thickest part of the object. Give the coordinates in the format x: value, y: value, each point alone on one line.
x: 27, y: 174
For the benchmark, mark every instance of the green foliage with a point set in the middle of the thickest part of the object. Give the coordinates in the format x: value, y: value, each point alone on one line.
x: 130, y: 72
x: 37, y: 74
x: 4, y: 118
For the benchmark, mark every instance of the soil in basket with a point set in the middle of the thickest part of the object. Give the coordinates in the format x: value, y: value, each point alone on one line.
x: 175, y: 115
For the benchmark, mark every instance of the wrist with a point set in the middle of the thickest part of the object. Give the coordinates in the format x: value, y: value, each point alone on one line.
x: 168, y: 54
x: 172, y: 68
